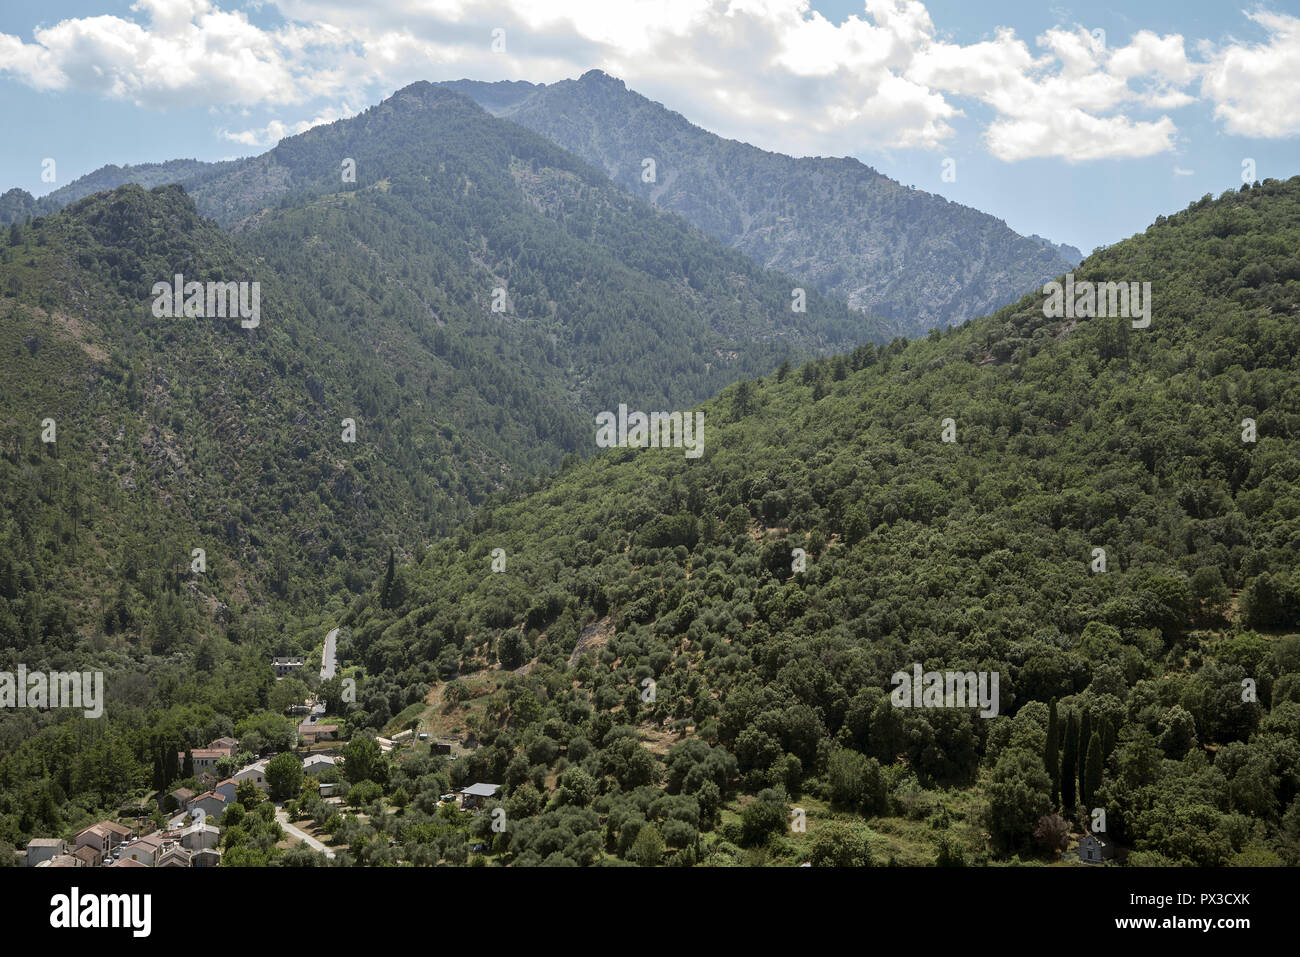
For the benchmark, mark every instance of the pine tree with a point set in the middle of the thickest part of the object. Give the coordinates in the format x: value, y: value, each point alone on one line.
x: 1052, y: 753
x: 1069, y: 761
x: 1092, y: 769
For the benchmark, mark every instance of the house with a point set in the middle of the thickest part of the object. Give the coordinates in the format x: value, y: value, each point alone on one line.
x: 403, y: 736
x: 174, y: 856
x: 205, y: 759
x: 118, y: 833
x: 127, y: 862
x: 474, y: 795
x: 228, y: 745
x: 62, y: 860
x: 440, y: 747
x: 311, y: 733
x: 287, y: 666
x: 41, y: 849
x: 256, y: 773
x: 385, y: 745
x: 1095, y: 848
x: 212, y: 805
x: 227, y: 790
x: 101, y: 838
x: 146, y: 850
x: 88, y: 856
x: 200, y: 837
x: 206, y: 857
x: 182, y: 797
x: 327, y: 790
x: 95, y: 837
x: 316, y: 763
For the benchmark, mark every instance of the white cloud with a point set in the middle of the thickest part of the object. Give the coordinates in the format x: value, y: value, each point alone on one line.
x: 772, y: 72
x: 1256, y: 88
x: 1062, y: 103
x: 273, y: 132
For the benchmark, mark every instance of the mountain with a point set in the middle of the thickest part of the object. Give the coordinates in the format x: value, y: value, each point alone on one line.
x: 909, y: 256
x: 17, y: 205
x: 657, y: 652
x: 377, y: 298
x: 199, y: 505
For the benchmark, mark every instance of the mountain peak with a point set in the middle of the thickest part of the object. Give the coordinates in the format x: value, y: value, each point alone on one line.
x: 425, y: 93
x: 600, y: 76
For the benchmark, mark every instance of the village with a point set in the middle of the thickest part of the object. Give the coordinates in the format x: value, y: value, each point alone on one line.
x: 191, y: 835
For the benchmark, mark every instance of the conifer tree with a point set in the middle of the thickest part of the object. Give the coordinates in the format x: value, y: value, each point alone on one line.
x: 1069, y: 762
x: 1085, y: 735
x: 1092, y: 770
x: 1052, y: 753
x: 386, y: 590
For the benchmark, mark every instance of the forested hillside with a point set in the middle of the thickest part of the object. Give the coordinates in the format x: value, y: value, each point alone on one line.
x: 1162, y: 687
x: 911, y: 257
x: 379, y: 308
x: 380, y: 396
x: 17, y: 205
x: 662, y: 659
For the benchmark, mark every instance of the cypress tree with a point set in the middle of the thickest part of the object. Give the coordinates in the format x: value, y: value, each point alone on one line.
x: 1092, y: 770
x: 171, y: 762
x: 1052, y: 753
x: 386, y: 590
x: 1107, y: 738
x: 187, y: 769
x: 1069, y: 761
x: 1085, y: 735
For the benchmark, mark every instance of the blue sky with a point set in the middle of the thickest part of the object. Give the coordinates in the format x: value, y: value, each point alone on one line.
x: 1077, y: 121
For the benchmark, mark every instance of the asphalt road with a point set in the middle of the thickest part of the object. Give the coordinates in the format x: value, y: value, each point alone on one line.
x: 327, y: 658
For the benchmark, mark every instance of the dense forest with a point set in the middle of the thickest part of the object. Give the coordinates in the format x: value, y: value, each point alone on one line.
x: 662, y: 660
x: 1164, y: 690
x: 171, y: 435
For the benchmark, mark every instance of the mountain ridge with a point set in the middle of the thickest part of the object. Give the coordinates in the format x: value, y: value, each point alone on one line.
x: 940, y: 262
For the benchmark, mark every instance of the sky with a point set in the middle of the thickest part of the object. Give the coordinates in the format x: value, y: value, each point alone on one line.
x: 1077, y: 121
